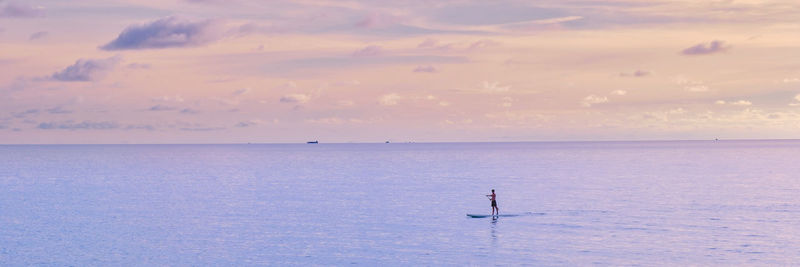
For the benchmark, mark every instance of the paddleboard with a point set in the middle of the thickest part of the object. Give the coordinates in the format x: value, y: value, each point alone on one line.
x: 487, y: 216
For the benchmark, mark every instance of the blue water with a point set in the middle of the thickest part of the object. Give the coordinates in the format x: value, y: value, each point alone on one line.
x: 580, y: 203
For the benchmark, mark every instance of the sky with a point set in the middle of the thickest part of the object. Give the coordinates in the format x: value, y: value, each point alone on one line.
x: 239, y: 71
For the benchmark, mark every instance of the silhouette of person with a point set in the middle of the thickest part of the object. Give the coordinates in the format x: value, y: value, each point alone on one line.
x: 493, y: 197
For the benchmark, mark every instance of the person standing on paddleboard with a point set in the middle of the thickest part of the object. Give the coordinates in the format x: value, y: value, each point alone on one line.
x: 493, y: 197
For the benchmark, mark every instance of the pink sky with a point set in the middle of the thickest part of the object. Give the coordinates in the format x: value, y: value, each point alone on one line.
x: 233, y: 71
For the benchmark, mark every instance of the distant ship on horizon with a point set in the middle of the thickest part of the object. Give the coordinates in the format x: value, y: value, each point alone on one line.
x: 312, y: 142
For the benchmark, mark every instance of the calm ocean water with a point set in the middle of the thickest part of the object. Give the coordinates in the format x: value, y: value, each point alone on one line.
x: 581, y: 203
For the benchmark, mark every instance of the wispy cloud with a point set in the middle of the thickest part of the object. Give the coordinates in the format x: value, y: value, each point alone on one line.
x: 377, y: 20
x: 138, y: 66
x: 334, y: 120
x: 211, y: 1
x: 390, y: 99
x: 370, y: 50
x: 426, y: 68
x: 202, y: 129
x: 734, y: 103
x: 59, y: 110
x: 85, y: 125
x: 428, y: 43
x: 715, y: 46
x: 25, y: 113
x: 189, y: 111
x: 85, y: 70
x: 590, y: 100
x: 691, y: 86
x: 495, y: 87
x: 742, y: 103
x: 345, y: 103
x: 295, y: 98
x: 249, y: 123
x: 431, y: 43
x: 637, y: 73
x: 166, y: 33
x: 797, y: 101
x: 161, y: 108
x: 16, y: 10
x: 697, y: 88
x: 241, y: 91
x: 38, y: 35
x: 483, y: 44
x: 167, y: 98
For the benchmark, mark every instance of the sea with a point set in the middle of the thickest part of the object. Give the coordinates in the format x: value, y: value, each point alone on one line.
x: 643, y: 203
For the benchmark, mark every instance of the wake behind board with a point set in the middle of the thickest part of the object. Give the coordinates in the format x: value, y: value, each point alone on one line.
x: 505, y: 215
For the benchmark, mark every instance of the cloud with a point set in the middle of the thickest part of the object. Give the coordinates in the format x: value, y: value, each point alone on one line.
x: 59, y: 110
x: 691, y: 86
x: 140, y: 127
x: 426, y: 68
x: 289, y: 84
x: 736, y: 103
x: 38, y: 35
x: 376, y: 20
x: 345, y: 103
x: 619, y: 92
x: 495, y: 87
x: 189, y: 111
x: 706, y: 48
x: 371, y: 50
x: 389, y: 99
x: 138, y: 66
x: 160, y: 107
x: 202, y: 129
x: 347, y: 83
x: 434, y: 44
x: 241, y: 91
x: 166, y: 33
x: 741, y: 103
x: 215, y: 2
x: 249, y: 123
x: 696, y: 88
x: 483, y: 44
x: 334, y: 120
x: 86, y: 125
x: 225, y: 101
x: 790, y: 80
x: 24, y: 114
x: 85, y: 70
x: 507, y: 102
x: 428, y: 43
x: 590, y: 100
x: 796, y: 98
x: 295, y: 98
x: 637, y: 73
x: 166, y: 98
x: 14, y: 10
